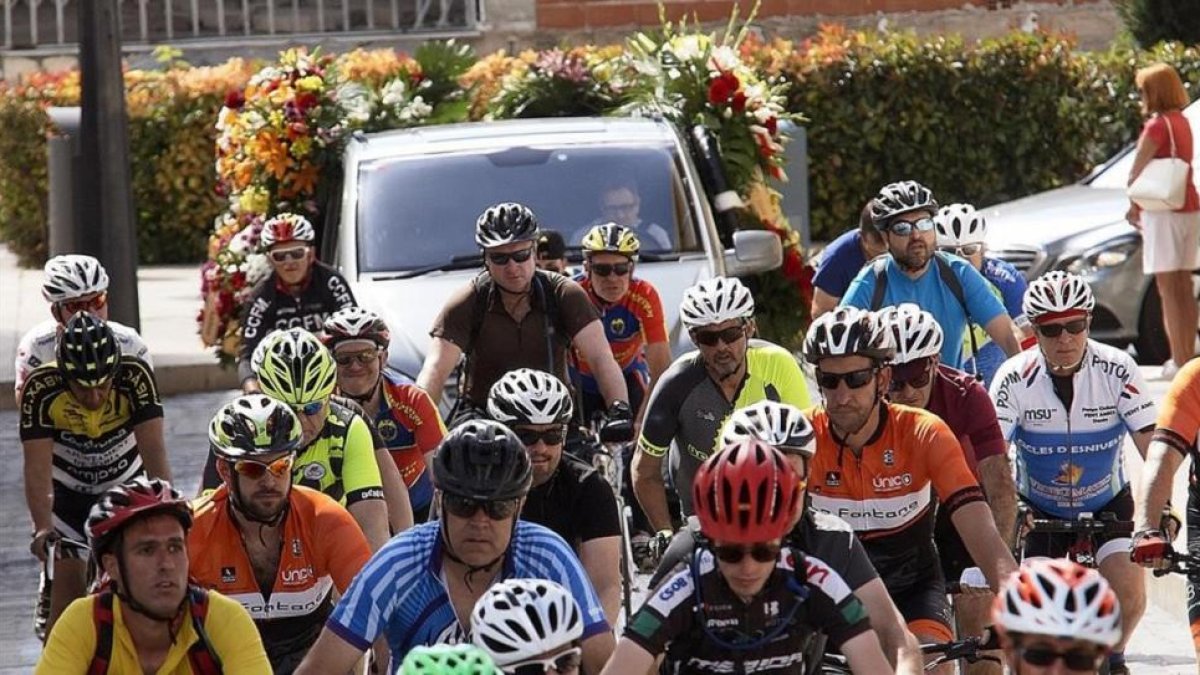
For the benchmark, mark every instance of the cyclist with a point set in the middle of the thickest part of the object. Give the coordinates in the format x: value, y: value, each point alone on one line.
x: 728, y: 370
x: 151, y: 619
x: 527, y: 318
x: 73, y: 283
x: 300, y: 292
x: 408, y: 422
x: 962, y: 231
x: 568, y: 495
x: 278, y: 549
x: 90, y: 420
x: 878, y: 465
x: 1056, y: 611
x: 447, y: 660
x: 816, y: 533
x: 746, y: 601
x: 1066, y: 408
x: 529, y: 626
x: 421, y: 587
x: 841, y: 261
x: 946, y: 286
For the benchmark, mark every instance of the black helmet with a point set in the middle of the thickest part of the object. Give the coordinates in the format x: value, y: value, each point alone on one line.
x: 505, y: 223
x: 481, y: 459
x: 87, y: 350
x: 897, y: 199
x: 253, y: 426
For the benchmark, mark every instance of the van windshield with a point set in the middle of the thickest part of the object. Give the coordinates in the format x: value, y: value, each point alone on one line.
x: 420, y: 211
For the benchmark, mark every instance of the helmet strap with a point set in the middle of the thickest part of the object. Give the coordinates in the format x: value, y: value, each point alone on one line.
x: 238, y: 505
x: 472, y: 570
x: 128, y: 600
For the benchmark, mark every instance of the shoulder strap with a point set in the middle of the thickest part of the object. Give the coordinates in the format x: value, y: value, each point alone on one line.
x: 201, y: 655
x: 951, y: 280
x: 102, y: 618
x: 879, y: 267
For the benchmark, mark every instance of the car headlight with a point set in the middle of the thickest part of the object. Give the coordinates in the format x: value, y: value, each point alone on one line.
x: 1112, y: 254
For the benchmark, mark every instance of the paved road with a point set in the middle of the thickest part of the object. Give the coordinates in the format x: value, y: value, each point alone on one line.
x: 1160, y: 647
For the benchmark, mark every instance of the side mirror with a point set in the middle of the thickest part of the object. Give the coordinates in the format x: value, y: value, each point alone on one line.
x: 753, y: 251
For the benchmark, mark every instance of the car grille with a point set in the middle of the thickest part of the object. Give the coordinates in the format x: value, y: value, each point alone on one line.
x: 1027, y: 259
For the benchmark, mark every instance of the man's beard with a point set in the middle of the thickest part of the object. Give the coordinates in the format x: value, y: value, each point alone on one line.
x: 913, y: 261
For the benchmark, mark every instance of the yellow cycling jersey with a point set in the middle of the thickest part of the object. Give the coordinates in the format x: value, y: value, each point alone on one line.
x: 341, y: 461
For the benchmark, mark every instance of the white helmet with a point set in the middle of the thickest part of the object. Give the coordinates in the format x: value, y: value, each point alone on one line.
x: 287, y: 227
x: 915, y: 333
x: 1059, y: 598
x: 848, y: 331
x: 1056, y: 292
x: 959, y: 225
x: 520, y: 619
x: 714, y: 301
x: 73, y: 276
x: 528, y: 396
x: 774, y: 423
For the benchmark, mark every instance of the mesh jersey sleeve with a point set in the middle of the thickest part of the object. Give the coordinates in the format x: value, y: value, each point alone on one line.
x: 1134, y: 403
x: 234, y: 637
x: 661, y: 422
x: 1179, y: 417
x: 360, y: 472
x: 946, y: 466
x: 344, y: 548
x: 649, y: 310
x: 70, y: 646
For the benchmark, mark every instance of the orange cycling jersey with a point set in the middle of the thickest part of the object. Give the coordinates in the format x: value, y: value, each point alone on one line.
x: 322, y: 547
x: 630, y: 324
x: 887, y: 493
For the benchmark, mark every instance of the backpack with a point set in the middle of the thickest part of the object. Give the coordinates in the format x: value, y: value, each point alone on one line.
x: 203, y: 659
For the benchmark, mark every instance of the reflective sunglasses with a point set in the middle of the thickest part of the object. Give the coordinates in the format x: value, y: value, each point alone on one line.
x: 855, y: 379
x: 96, y: 303
x: 1053, y: 330
x: 964, y: 251
x: 710, y: 338
x: 1083, y: 659
x: 466, y: 507
x: 915, y: 374
x: 285, y: 254
x: 309, y: 409
x: 762, y: 553
x: 609, y: 269
x: 903, y: 228
x: 567, y: 661
x: 501, y: 259
x: 364, y: 358
x: 253, y: 470
x: 547, y: 436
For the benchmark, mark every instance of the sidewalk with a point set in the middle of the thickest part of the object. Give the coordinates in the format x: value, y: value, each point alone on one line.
x: 168, y: 298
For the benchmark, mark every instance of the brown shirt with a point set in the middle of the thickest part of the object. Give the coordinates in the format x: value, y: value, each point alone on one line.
x: 511, y: 344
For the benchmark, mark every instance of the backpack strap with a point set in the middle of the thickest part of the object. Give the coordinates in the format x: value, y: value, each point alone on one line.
x: 201, y: 655
x: 879, y: 268
x: 103, y: 619
x: 951, y: 280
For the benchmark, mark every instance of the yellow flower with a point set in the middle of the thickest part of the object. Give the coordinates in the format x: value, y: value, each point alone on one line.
x: 301, y: 147
x: 310, y: 83
x: 254, y: 200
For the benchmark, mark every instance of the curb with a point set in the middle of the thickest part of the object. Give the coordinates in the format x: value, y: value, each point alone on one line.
x: 184, y: 378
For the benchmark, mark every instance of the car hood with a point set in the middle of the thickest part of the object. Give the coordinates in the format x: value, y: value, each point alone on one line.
x: 1055, y: 215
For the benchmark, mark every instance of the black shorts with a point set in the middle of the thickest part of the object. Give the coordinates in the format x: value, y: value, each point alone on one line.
x: 1059, y: 544
x: 926, y: 609
x: 70, y: 512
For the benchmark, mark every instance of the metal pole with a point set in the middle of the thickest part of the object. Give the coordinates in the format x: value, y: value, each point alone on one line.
x: 107, y: 196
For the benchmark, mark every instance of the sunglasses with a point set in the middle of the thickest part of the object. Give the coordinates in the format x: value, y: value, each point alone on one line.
x: 610, y: 209
x: 915, y: 374
x: 1083, y: 659
x: 253, y: 470
x: 855, y: 379
x: 1053, y: 330
x: 309, y: 409
x: 89, y: 305
x: 466, y: 507
x: 762, y: 553
x: 501, y: 259
x: 709, y: 338
x: 609, y: 269
x: 567, y: 661
x: 364, y: 358
x: 293, y: 253
x: 903, y: 228
x: 962, y: 251
x: 547, y: 436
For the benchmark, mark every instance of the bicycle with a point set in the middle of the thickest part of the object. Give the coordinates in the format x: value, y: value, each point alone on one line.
x: 968, y: 649
x: 1187, y: 564
x: 1086, y: 527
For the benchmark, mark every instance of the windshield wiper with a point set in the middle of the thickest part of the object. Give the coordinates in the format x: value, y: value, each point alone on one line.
x: 458, y: 262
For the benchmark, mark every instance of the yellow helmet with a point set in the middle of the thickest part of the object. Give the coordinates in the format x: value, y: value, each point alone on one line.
x: 611, y: 238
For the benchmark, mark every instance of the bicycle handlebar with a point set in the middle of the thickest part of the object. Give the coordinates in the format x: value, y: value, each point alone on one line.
x: 967, y: 649
x: 1085, y: 525
x: 1180, y: 563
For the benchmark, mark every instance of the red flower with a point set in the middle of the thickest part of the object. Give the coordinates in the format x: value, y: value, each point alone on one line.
x: 739, y: 102
x: 306, y: 100
x: 772, y: 125
x: 722, y: 88
x: 235, y: 99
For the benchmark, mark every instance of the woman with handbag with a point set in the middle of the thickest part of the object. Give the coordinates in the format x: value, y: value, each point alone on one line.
x: 1165, y: 207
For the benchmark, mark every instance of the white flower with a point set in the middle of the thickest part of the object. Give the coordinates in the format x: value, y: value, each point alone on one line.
x: 355, y: 101
x: 724, y: 59
x: 416, y: 110
x: 393, y: 94
x: 689, y: 47
x: 256, y: 268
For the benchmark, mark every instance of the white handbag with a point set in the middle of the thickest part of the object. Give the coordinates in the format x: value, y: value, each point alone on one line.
x: 1162, y: 185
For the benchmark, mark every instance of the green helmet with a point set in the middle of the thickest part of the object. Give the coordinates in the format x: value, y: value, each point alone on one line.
x: 443, y: 659
x: 254, y: 425
x: 293, y: 366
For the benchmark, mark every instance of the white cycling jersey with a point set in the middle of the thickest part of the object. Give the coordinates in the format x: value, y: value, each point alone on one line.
x: 37, y: 347
x: 1067, y: 463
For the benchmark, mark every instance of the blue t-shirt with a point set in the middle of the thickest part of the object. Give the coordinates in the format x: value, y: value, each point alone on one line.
x: 934, y: 297
x: 1011, y: 284
x: 840, y: 261
x: 400, y: 591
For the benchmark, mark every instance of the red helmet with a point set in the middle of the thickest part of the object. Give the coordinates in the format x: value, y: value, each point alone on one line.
x: 127, y: 501
x: 746, y: 494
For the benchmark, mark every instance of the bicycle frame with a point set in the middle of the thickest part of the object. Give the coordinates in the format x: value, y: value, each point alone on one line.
x: 1086, y: 527
x: 609, y: 465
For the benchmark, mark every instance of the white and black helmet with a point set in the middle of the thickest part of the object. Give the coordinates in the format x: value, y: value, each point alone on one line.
x: 847, y: 331
x: 714, y: 301
x: 897, y: 199
x: 915, y: 334
x: 528, y: 396
x: 73, y: 276
x: 1056, y: 292
x: 774, y: 423
x: 355, y: 323
x: 959, y: 225
x: 505, y: 223
x: 521, y: 619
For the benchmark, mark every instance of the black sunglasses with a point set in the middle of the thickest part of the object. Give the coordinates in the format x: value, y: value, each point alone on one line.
x: 962, y: 251
x: 1053, y: 330
x: 364, y: 358
x: 733, y: 555
x: 1083, y: 659
x: 709, y: 338
x: 466, y: 507
x: 855, y: 379
x: 501, y: 259
x: 903, y: 228
x: 902, y: 375
x: 547, y: 436
x: 609, y: 269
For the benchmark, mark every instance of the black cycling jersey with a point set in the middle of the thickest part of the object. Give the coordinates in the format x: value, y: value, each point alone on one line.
x: 271, y: 308
x: 577, y: 503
